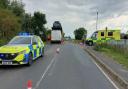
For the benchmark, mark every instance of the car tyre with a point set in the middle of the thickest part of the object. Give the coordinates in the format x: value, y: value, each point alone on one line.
x: 90, y: 43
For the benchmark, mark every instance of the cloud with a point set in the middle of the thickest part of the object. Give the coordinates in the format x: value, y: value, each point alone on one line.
x: 107, y: 8
x: 77, y: 13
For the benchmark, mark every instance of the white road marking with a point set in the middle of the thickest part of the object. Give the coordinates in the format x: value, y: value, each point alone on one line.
x: 44, y: 73
x: 116, y: 87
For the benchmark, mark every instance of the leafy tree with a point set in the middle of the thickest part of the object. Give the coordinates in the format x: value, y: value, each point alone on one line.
x: 13, y: 19
x: 9, y: 25
x: 27, y: 23
x: 35, y: 24
x: 48, y: 32
x: 17, y: 8
x: 10, y: 22
x: 4, y: 3
x: 79, y: 33
x: 38, y: 22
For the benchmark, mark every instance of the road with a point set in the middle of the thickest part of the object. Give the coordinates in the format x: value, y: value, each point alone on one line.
x: 72, y: 68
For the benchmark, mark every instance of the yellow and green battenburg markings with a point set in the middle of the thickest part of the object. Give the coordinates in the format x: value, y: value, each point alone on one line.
x: 23, y: 51
x: 105, y: 35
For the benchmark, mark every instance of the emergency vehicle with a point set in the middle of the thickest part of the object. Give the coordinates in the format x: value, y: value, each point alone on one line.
x: 22, y: 49
x: 103, y: 36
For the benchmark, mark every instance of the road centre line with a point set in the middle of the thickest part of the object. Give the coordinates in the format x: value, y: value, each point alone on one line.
x: 44, y: 73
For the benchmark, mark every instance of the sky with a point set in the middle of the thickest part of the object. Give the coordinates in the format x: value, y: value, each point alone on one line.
x: 82, y: 13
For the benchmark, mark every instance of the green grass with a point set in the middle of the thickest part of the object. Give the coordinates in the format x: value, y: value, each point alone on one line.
x: 77, y: 41
x: 118, y: 56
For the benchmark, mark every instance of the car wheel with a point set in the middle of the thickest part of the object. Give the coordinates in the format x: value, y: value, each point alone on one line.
x: 90, y: 43
x: 30, y: 60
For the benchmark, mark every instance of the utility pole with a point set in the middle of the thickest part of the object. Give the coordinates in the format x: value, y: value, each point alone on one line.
x: 97, y: 21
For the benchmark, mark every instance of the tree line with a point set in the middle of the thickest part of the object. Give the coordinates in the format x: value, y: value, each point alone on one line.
x: 80, y: 33
x: 14, y: 19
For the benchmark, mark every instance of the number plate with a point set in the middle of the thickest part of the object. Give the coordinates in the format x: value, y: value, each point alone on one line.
x: 7, y: 63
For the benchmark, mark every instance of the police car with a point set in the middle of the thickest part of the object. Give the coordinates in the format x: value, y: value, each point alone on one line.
x: 22, y: 49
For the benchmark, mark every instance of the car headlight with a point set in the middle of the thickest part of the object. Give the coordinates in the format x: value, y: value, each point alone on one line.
x: 22, y: 52
x: 12, y: 54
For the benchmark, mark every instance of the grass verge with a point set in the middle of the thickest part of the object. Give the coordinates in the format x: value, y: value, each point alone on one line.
x: 115, y: 53
x: 77, y: 41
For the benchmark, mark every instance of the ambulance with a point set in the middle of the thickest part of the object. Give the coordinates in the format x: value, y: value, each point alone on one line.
x: 103, y: 36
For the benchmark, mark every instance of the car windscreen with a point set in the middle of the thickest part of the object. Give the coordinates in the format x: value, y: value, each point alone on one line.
x: 21, y: 40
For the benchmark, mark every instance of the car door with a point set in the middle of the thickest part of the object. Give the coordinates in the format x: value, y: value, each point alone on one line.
x: 35, y: 47
x: 41, y: 45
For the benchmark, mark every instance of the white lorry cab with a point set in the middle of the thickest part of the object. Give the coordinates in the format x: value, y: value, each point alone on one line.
x: 56, y: 36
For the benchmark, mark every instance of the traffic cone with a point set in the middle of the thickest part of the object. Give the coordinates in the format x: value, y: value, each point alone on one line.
x: 29, y: 84
x: 58, y: 50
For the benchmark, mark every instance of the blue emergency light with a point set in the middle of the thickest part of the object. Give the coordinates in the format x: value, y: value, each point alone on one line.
x: 24, y: 34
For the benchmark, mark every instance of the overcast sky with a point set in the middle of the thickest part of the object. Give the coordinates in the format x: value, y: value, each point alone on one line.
x: 82, y: 13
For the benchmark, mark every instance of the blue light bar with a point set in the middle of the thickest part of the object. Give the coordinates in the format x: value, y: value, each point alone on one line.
x: 24, y: 34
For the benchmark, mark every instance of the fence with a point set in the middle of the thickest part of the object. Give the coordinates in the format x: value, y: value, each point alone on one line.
x: 122, y: 42
x: 121, y: 45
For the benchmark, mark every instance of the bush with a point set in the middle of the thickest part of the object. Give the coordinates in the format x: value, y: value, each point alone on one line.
x: 3, y: 41
x: 115, y: 48
x: 117, y: 52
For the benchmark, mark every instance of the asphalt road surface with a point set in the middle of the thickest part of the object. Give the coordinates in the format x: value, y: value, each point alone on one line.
x: 71, y: 68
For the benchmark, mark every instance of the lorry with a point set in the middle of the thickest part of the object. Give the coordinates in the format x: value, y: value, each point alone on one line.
x: 56, y: 33
x: 56, y: 36
x: 103, y: 36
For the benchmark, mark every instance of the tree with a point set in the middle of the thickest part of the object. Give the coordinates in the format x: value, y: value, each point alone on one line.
x: 48, y: 32
x: 10, y: 22
x: 9, y: 25
x: 38, y: 22
x: 27, y: 23
x: 17, y: 8
x: 13, y: 19
x: 4, y: 3
x: 79, y: 33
